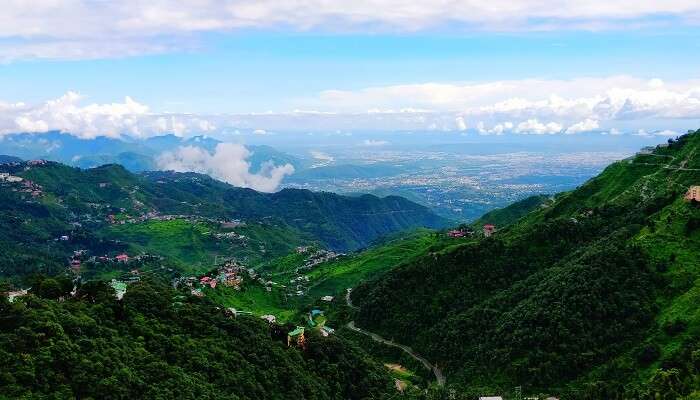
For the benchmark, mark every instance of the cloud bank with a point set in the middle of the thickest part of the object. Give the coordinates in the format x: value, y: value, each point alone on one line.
x: 78, y: 29
x: 228, y: 163
x: 528, y: 106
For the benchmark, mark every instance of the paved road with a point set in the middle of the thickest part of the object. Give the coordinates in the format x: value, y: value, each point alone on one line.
x: 439, y: 377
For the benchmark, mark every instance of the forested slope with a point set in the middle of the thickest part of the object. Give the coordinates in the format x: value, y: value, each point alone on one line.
x: 157, y: 343
x: 109, y: 209
x: 590, y: 296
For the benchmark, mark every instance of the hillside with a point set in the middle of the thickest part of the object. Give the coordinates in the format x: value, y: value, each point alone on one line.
x: 134, y: 154
x: 177, y: 215
x: 511, y: 213
x: 160, y: 343
x: 592, y: 296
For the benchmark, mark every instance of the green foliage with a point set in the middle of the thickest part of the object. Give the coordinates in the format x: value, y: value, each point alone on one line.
x: 593, y: 296
x: 502, y: 217
x: 144, y: 347
x: 79, y: 203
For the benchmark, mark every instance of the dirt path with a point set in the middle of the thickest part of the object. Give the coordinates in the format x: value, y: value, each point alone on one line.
x: 439, y: 377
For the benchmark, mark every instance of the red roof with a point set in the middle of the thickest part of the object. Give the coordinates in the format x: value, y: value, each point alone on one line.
x: 122, y: 257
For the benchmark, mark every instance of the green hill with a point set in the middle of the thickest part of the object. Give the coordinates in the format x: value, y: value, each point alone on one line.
x: 507, y: 215
x: 593, y: 296
x: 177, y: 215
x: 158, y: 343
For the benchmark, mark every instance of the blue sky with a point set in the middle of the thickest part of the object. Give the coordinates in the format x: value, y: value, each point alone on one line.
x: 534, y: 66
x: 259, y: 71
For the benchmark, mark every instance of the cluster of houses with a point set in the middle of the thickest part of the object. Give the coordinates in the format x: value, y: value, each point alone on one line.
x: 6, y: 177
x: 23, y: 185
x: 230, y: 274
x: 487, y: 230
x: 316, y: 257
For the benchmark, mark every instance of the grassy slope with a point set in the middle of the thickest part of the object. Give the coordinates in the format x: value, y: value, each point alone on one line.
x: 193, y: 246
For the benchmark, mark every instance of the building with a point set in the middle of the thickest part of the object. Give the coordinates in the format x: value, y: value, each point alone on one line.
x: 122, y: 258
x: 119, y: 288
x: 297, y: 338
x: 327, y: 298
x: 456, y: 233
x: 326, y: 331
x: 11, y: 296
x: 693, y: 193
x: 490, y: 398
x: 489, y: 230
x: 269, y: 318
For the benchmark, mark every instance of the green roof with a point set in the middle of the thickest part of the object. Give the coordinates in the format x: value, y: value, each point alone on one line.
x: 298, y: 331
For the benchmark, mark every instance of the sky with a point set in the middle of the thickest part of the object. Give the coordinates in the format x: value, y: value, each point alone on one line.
x: 543, y: 67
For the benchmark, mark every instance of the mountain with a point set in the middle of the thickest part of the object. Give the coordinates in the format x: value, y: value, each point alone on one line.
x: 158, y: 342
x: 178, y: 215
x: 134, y: 154
x: 513, y: 212
x: 4, y: 159
x: 592, y: 294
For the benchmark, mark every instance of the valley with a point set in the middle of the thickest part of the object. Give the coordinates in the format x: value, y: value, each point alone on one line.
x: 468, y: 309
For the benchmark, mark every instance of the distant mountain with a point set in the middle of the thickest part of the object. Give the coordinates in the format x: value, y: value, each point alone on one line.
x: 593, y: 295
x: 56, y: 200
x: 134, y: 154
x: 4, y: 159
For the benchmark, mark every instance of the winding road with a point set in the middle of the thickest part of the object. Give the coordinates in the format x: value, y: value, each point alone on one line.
x: 439, y: 377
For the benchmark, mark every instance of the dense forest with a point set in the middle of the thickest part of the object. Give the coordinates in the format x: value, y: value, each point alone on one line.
x: 592, y: 295
x: 108, y: 209
x: 158, y: 344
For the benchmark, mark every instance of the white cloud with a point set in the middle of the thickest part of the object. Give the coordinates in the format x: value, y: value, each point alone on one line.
x: 498, y: 129
x: 374, y: 143
x: 86, y: 28
x: 535, y: 127
x: 584, y: 126
x: 321, y: 156
x: 612, y: 132
x: 461, y: 124
x: 568, y: 106
x: 88, y: 121
x: 228, y: 163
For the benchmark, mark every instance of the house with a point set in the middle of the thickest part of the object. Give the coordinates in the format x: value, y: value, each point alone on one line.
x: 693, y: 193
x: 302, y: 249
x: 75, y: 264
x: 119, y: 288
x: 296, y: 337
x: 11, y: 296
x: 197, y: 293
x: 456, y: 233
x: 327, y: 298
x: 489, y: 230
x: 490, y: 398
x: 269, y: 318
x: 63, y: 238
x: 315, y: 312
x: 326, y: 331
x: 122, y: 258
